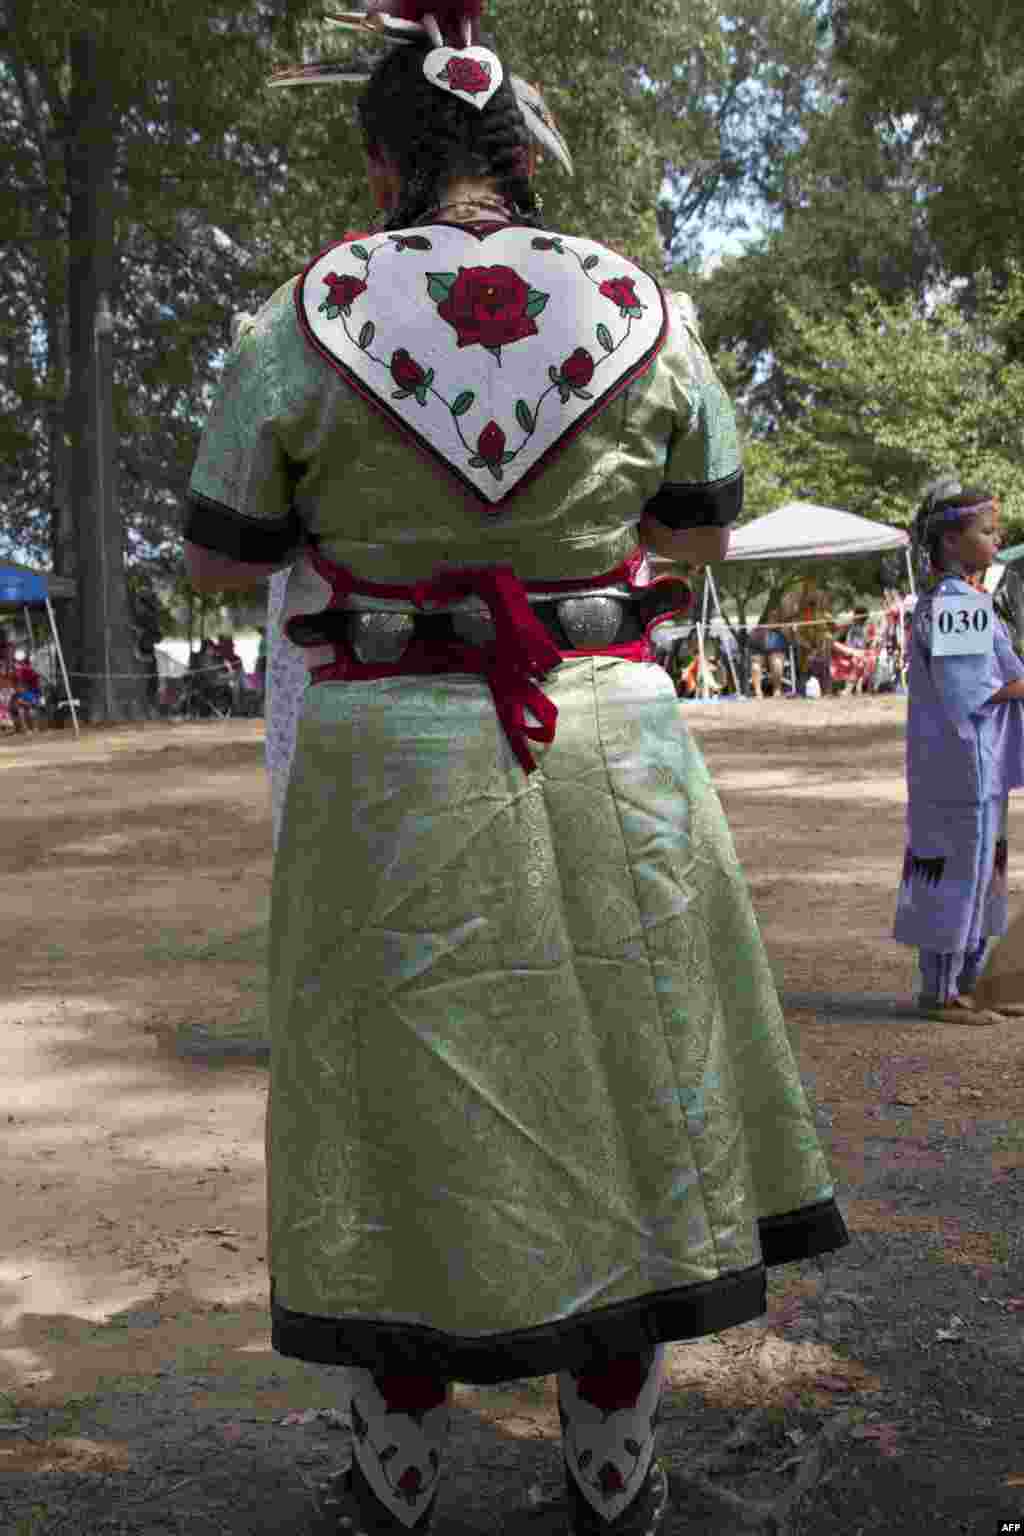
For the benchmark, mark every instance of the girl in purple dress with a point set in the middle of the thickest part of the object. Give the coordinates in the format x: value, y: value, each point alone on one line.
x: 965, y: 752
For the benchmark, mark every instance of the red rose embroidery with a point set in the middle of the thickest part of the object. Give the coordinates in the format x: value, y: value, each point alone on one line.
x: 413, y: 1395
x: 344, y: 290
x: 622, y: 291
x: 610, y: 1480
x: 488, y: 307
x: 578, y: 370
x: 406, y: 371
x: 411, y: 1482
x: 491, y: 444
x: 614, y: 1389
x: 470, y: 75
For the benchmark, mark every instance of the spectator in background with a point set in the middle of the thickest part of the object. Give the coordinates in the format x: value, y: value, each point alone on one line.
x: 768, y: 649
x: 27, y: 697
x: 813, y: 634
x: 7, y: 682
x: 854, y: 652
x: 146, y: 622
x: 225, y: 649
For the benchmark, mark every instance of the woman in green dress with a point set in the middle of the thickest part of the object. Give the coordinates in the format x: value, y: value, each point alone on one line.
x: 533, y: 1108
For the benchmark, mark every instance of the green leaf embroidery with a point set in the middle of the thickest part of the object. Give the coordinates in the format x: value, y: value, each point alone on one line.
x: 536, y: 303
x: 635, y: 312
x: 428, y: 378
x: 360, y: 253
x: 524, y: 416
x: 591, y: 262
x: 367, y: 334
x: 604, y: 336
x: 507, y: 458
x: 421, y: 395
x: 440, y: 285
x: 559, y: 247
x: 332, y: 311
x: 463, y: 403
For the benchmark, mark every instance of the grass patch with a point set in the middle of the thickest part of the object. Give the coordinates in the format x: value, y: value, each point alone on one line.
x: 68, y: 1419
x: 33, y: 1524
x: 247, y: 948
x: 1013, y: 1140
x: 245, y: 1024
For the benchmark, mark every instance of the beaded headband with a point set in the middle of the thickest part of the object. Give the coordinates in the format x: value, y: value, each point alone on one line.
x: 463, y: 69
x: 954, y: 514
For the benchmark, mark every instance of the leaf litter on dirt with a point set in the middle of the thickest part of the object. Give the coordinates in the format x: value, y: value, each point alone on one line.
x: 884, y: 1436
x: 333, y: 1417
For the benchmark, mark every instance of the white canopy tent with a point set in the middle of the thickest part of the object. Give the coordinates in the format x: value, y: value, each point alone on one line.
x: 802, y: 531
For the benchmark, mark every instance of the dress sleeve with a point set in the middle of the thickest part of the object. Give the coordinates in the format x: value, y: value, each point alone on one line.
x: 703, y: 484
x: 240, y: 496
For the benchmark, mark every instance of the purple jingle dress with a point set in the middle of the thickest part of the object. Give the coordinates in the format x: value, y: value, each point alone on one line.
x: 964, y: 755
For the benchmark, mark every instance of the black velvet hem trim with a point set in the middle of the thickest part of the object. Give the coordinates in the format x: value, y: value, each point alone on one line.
x: 714, y: 504
x: 252, y: 541
x: 628, y: 1327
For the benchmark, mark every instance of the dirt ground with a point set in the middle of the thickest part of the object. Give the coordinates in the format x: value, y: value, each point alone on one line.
x: 138, y: 1391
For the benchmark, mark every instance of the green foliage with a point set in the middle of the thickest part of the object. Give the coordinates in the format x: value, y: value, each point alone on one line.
x: 875, y: 142
x: 893, y: 393
x: 949, y: 72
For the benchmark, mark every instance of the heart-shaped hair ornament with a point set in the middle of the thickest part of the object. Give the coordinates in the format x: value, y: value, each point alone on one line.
x: 405, y: 22
x: 472, y: 74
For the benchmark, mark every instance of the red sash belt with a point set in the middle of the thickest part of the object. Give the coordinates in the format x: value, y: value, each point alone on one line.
x: 523, y: 651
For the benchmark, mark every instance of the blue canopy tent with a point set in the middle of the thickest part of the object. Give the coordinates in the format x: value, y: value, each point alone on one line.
x: 23, y: 588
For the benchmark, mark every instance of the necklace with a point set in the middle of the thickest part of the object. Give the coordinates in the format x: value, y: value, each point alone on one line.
x: 472, y: 204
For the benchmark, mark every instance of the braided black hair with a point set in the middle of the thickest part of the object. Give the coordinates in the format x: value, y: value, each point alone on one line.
x: 434, y: 137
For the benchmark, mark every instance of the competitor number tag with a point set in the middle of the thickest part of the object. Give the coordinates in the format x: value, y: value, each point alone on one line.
x: 962, y: 624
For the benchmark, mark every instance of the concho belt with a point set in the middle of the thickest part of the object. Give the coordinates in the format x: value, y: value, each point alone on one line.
x: 574, y: 624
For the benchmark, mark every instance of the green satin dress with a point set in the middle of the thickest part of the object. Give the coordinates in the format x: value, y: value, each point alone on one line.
x: 532, y: 1098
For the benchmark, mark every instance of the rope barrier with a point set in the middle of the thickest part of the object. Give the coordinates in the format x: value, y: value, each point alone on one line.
x: 787, y: 624
x: 175, y: 676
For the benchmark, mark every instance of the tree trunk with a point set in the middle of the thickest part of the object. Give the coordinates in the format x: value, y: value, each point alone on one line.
x: 62, y: 532
x: 113, y: 684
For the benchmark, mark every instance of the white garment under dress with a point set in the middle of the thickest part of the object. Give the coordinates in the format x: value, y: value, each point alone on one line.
x: 286, y: 682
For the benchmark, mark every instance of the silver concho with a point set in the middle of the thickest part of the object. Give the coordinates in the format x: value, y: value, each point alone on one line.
x: 475, y: 628
x: 378, y: 638
x: 590, y: 622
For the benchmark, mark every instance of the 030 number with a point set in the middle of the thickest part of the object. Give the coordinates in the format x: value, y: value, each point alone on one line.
x: 961, y: 621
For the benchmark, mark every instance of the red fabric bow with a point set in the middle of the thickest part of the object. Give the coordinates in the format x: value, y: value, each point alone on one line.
x: 523, y: 650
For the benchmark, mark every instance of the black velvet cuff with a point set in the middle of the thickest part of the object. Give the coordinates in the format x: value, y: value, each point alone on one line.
x: 715, y: 504
x: 230, y: 533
